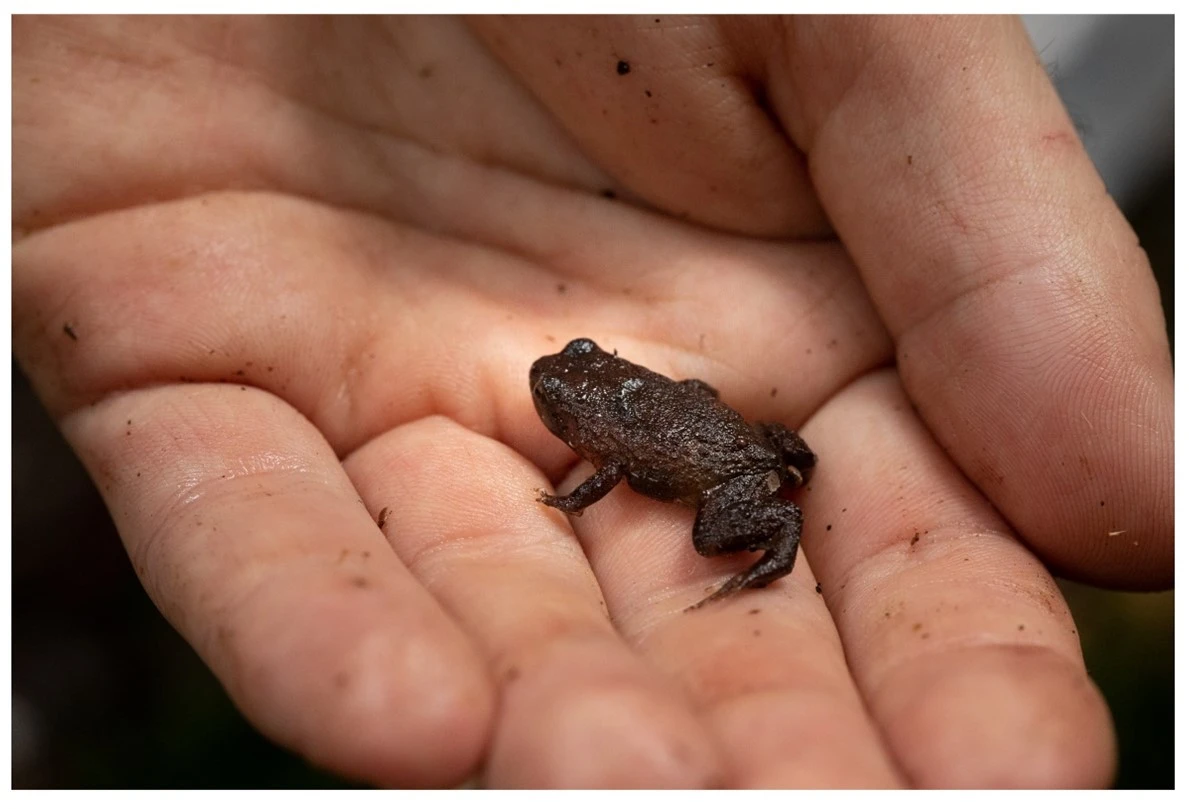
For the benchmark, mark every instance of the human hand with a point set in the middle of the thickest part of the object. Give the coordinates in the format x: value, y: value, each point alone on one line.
x: 274, y: 268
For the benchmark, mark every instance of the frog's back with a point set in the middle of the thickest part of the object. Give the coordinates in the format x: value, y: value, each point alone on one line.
x: 678, y: 440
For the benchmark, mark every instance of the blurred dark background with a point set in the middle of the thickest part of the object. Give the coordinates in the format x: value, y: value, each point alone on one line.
x: 105, y: 694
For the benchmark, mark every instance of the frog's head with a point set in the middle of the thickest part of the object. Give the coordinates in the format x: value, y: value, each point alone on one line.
x: 565, y: 387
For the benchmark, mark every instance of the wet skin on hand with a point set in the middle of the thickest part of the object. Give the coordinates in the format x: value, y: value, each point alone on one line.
x: 676, y: 441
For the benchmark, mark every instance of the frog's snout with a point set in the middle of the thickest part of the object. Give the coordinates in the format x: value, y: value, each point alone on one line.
x: 538, y: 383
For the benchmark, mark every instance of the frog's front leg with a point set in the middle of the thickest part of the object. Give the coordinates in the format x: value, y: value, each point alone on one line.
x: 745, y: 514
x: 588, y: 492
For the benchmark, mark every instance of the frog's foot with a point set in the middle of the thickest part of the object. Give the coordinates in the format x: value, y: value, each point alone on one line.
x: 774, y: 564
x: 798, y: 458
x: 559, y: 503
x: 732, y: 584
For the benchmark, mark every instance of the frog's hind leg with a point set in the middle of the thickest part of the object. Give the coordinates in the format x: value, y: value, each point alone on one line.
x: 795, y: 454
x: 744, y: 514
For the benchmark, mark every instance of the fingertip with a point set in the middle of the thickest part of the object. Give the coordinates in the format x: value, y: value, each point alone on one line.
x: 401, y: 711
x: 604, y: 736
x: 999, y: 717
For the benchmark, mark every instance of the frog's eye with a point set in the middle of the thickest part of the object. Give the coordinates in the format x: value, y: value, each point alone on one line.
x: 549, y: 386
x: 582, y: 345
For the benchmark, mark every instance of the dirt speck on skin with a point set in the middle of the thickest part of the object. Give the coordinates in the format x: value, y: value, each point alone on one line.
x: 910, y: 160
x: 608, y: 193
x: 512, y: 674
x: 360, y: 582
x: 561, y: 289
x: 69, y: 331
x: 915, y: 539
x: 754, y: 611
x: 772, y: 393
x: 755, y: 633
x: 1020, y: 628
x: 623, y: 68
x: 341, y: 680
x: 818, y: 588
x: 382, y: 519
x: 829, y: 526
x: 917, y: 626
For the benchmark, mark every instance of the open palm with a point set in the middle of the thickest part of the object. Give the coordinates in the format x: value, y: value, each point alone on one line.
x: 280, y: 281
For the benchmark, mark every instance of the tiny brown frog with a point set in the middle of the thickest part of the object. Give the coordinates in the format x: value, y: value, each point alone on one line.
x: 676, y: 441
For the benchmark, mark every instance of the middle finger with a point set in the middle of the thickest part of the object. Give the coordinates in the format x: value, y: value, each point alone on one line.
x: 577, y: 707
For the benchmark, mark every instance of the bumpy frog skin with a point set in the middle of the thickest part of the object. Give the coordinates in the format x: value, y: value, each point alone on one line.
x: 676, y: 441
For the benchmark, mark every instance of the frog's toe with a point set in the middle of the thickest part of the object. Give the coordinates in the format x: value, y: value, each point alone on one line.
x: 732, y: 585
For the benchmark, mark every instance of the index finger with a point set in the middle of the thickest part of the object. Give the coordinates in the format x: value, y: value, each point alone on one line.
x: 251, y: 539
x: 1027, y: 321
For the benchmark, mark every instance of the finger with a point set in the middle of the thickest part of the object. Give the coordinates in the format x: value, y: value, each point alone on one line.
x: 960, y: 640
x: 1027, y: 322
x: 235, y: 287
x: 765, y: 667
x: 250, y: 539
x: 402, y: 98
x: 671, y: 110
x: 578, y: 709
